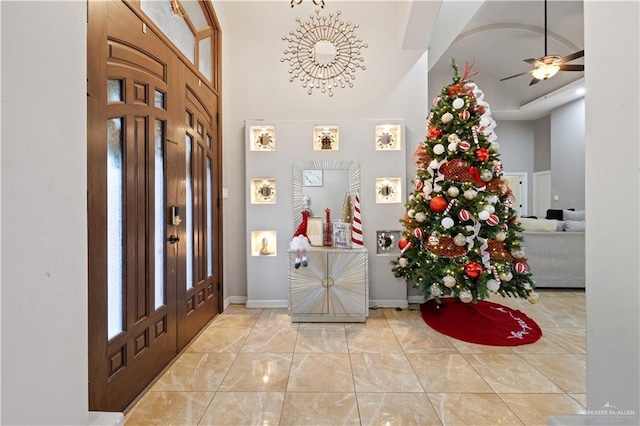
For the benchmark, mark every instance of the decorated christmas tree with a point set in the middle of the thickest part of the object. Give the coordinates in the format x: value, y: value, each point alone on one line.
x: 461, y: 237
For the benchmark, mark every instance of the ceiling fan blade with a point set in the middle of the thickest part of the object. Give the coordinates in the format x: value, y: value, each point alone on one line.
x: 534, y: 81
x: 531, y: 61
x: 573, y: 56
x: 570, y: 67
x: 515, y: 75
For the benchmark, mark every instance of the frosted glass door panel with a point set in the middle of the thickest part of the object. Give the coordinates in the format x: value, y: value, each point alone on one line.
x: 159, y: 218
x: 115, y: 241
x: 188, y: 243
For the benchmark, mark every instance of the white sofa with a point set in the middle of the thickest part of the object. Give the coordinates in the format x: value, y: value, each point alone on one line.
x: 557, y: 259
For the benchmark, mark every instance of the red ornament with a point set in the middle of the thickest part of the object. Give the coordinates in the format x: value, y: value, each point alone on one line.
x: 493, y: 220
x: 473, y: 269
x: 417, y: 185
x: 434, y: 132
x: 479, y: 109
x: 437, y: 100
x: 464, y: 115
x: 438, y: 204
x: 464, y: 146
x: 403, y: 242
x: 521, y: 267
x: 464, y: 215
x: 417, y: 233
x: 482, y: 154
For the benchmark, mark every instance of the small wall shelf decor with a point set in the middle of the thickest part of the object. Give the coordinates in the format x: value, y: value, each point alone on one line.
x: 325, y: 138
x: 262, y: 138
x: 388, y: 190
x: 387, y: 242
x: 263, y: 243
x: 263, y: 191
x: 388, y: 137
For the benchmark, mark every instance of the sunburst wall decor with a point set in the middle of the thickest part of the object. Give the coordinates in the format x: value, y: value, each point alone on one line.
x: 324, y: 53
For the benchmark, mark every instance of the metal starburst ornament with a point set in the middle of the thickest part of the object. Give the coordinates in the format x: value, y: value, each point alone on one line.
x: 324, y: 53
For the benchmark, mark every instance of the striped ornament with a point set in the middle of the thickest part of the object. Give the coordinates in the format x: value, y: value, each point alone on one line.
x: 357, y: 240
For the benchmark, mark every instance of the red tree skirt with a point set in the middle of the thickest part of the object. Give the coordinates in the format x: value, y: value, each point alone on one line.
x: 486, y: 323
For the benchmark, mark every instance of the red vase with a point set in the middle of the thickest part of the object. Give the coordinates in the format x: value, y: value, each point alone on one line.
x: 328, y: 231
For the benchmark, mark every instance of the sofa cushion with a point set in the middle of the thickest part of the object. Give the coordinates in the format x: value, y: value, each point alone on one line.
x: 574, y: 225
x: 538, y: 225
x: 573, y: 215
x: 554, y: 214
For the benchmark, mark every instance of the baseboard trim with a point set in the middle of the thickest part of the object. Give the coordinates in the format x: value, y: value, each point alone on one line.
x: 417, y: 299
x: 238, y: 300
x: 388, y: 303
x: 260, y: 304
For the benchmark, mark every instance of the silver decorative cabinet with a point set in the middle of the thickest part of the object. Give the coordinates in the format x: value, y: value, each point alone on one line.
x: 333, y: 287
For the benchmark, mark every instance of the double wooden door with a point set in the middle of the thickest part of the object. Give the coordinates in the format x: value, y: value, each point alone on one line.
x: 154, y: 214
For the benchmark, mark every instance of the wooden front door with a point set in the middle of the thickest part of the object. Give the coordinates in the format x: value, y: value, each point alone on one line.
x: 154, y: 217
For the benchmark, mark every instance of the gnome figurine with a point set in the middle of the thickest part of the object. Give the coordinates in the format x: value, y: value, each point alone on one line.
x: 300, y: 242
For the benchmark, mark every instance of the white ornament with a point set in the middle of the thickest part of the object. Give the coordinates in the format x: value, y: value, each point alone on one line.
x: 506, y: 276
x: 495, y: 146
x: 486, y: 175
x: 411, y: 197
x: 459, y: 240
x: 448, y: 281
x: 411, y: 213
x: 434, y: 165
x: 493, y: 285
x: 492, y: 199
x: 518, y: 254
x: 489, y: 208
x: 420, y: 217
x: 403, y: 262
x: 470, y: 194
x: 501, y: 235
x: 435, y: 289
x: 458, y: 103
x: 453, y: 138
x: 453, y: 146
x: 465, y: 296
x: 484, y: 215
x: 447, y: 117
x: 438, y: 149
x: 447, y: 223
x: 453, y: 191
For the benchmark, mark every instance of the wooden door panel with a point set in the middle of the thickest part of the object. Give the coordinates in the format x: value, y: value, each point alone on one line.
x: 156, y: 90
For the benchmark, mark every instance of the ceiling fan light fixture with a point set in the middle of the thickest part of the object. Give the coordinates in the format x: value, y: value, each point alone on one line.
x: 547, y: 67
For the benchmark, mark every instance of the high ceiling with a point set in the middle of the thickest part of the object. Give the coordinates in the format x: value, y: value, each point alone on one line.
x: 498, y: 35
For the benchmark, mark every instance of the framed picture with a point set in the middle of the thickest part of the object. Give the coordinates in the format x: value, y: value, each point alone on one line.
x: 312, y: 178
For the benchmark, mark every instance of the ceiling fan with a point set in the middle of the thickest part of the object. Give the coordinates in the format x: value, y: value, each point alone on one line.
x: 548, y: 65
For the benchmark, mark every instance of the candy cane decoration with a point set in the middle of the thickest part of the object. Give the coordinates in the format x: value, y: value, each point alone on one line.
x: 452, y: 203
x: 495, y: 273
x: 357, y: 241
x: 474, y: 131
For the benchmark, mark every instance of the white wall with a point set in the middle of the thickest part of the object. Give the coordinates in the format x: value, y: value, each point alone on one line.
x: 612, y: 205
x: 44, y: 227
x: 567, y: 131
x: 542, y: 144
x: 256, y: 85
x: 517, y: 152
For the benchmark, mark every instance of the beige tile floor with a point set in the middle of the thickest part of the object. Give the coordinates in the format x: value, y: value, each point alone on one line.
x: 255, y: 367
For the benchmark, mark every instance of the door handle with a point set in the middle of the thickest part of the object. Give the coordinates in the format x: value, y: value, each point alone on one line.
x: 173, y: 239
